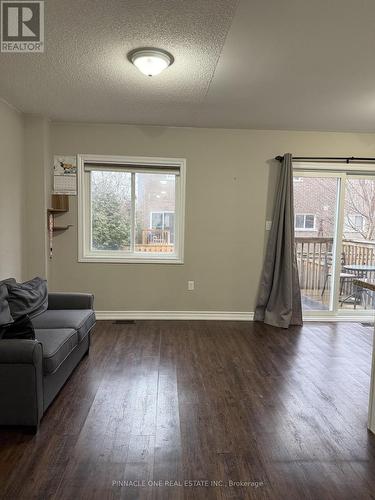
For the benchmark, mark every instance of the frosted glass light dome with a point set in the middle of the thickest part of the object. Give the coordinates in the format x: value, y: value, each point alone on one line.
x: 150, y: 62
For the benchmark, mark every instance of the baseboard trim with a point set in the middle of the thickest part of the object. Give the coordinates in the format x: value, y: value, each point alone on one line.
x: 340, y: 319
x: 219, y: 315
x: 186, y: 315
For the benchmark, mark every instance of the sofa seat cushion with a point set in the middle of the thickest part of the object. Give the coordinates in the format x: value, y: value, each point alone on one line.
x: 81, y: 320
x: 57, y: 344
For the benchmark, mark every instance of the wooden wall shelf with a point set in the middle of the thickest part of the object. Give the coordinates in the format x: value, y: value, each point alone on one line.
x: 57, y: 210
x: 61, y: 203
x: 62, y: 228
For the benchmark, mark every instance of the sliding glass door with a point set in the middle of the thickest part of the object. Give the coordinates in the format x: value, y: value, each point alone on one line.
x: 334, y: 238
x: 316, y: 199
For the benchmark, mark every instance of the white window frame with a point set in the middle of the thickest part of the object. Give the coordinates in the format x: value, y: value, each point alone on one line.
x: 85, y: 253
x: 304, y: 222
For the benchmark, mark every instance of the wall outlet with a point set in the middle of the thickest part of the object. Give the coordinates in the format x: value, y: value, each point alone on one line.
x: 191, y: 285
x: 268, y: 225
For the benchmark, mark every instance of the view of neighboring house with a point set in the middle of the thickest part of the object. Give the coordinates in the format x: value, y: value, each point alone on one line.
x: 315, y: 202
x: 155, y: 209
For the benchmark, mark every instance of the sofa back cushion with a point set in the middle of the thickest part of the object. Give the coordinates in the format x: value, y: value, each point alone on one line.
x: 29, y: 298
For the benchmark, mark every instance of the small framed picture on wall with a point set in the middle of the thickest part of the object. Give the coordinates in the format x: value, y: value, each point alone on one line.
x: 65, y: 174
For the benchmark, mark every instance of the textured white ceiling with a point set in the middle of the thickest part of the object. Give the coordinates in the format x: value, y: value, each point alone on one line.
x: 85, y: 75
x: 284, y: 64
x: 297, y: 64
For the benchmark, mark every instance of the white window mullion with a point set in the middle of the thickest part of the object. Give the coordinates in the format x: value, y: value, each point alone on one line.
x: 132, y: 229
x: 89, y: 225
x: 337, y: 243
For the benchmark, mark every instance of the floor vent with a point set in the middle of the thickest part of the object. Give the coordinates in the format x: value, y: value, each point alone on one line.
x: 124, y: 322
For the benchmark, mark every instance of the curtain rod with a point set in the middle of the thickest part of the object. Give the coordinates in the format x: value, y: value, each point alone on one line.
x: 327, y: 158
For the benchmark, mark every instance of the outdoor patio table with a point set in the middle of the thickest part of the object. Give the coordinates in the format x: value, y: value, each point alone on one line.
x: 360, y: 271
x: 359, y: 268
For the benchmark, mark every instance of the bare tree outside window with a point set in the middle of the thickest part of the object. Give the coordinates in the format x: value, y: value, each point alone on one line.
x: 360, y: 201
x: 359, y: 205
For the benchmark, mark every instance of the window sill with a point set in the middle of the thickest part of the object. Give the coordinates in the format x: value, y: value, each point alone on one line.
x: 162, y: 259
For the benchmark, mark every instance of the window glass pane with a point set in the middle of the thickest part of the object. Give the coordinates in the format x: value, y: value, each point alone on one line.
x: 169, y: 224
x: 358, y: 222
x: 358, y: 242
x: 309, y: 221
x: 111, y: 210
x: 358, y: 215
x: 154, y: 213
x: 315, y: 199
x: 156, y: 220
x: 353, y: 223
x: 300, y: 220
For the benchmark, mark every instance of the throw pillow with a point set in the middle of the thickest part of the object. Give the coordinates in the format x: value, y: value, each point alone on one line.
x: 5, y: 315
x: 8, y: 280
x: 22, y: 328
x: 29, y: 298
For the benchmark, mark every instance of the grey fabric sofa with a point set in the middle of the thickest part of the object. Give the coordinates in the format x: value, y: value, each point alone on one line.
x: 32, y: 372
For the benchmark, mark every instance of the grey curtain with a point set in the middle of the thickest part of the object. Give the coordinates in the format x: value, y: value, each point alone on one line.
x: 279, y: 298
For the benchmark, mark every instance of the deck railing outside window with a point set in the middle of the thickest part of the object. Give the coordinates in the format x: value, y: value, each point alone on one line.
x: 155, y: 240
x: 314, y: 260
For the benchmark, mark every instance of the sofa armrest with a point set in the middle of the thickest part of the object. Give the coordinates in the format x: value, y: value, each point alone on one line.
x: 67, y: 300
x: 20, y: 351
x: 21, y: 382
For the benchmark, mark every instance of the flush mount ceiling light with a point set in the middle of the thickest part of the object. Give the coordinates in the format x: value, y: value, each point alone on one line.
x: 150, y: 61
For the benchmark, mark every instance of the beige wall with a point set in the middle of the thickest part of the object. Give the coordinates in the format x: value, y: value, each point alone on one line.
x: 38, y: 177
x: 25, y: 185
x: 229, y: 194
x: 11, y: 191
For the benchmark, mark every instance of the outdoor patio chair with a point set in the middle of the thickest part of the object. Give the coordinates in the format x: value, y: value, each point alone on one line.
x: 344, y: 276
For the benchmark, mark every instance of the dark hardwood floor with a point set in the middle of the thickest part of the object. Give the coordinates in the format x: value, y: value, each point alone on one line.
x: 210, y: 401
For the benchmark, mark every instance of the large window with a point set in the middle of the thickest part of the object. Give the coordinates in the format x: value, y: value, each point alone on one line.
x: 131, y: 209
